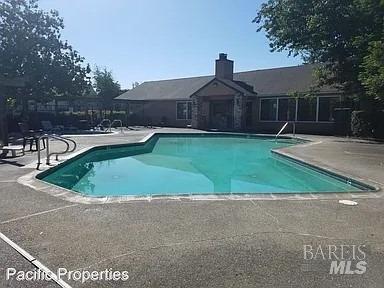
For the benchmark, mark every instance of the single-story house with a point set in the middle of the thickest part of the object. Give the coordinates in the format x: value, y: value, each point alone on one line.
x: 259, y: 100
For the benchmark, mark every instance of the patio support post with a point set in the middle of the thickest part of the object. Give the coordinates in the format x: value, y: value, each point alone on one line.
x: 238, y: 110
x: 196, y: 112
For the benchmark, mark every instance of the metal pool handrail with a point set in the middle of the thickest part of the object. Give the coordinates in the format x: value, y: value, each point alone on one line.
x: 285, y: 126
x: 281, y: 130
x: 116, y: 121
x: 59, y: 138
x: 105, y: 120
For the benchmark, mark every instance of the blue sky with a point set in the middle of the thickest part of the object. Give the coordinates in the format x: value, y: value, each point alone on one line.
x: 160, y: 39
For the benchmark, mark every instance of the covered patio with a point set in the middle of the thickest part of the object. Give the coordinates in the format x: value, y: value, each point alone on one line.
x: 221, y: 104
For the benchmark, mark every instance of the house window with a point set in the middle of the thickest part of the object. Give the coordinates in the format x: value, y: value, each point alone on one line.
x: 307, y: 109
x: 287, y: 109
x: 311, y: 109
x: 184, y: 110
x: 326, y: 108
x: 268, y: 109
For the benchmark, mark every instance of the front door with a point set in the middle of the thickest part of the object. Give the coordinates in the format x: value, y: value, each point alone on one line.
x: 221, y: 114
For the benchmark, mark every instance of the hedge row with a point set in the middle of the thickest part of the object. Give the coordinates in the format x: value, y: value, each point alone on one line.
x: 367, y: 124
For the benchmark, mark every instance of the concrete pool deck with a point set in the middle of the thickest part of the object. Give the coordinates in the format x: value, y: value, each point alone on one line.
x: 163, y: 243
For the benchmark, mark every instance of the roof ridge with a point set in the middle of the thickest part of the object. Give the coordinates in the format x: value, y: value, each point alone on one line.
x: 235, y: 73
x: 182, y: 78
x: 277, y: 68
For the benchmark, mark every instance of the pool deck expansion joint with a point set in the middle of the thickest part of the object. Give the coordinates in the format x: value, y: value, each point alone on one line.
x: 34, y: 261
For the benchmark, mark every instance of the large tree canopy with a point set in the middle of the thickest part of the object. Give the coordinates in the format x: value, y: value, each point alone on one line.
x: 106, y: 86
x: 31, y: 46
x: 347, y: 36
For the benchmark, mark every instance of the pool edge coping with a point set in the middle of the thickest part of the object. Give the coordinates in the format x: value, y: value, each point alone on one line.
x: 31, y: 180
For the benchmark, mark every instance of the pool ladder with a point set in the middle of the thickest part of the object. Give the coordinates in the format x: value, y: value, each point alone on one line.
x: 110, y: 124
x: 65, y: 140
x: 285, y: 126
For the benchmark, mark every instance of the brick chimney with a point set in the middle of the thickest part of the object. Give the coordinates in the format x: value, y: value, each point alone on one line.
x: 224, y: 67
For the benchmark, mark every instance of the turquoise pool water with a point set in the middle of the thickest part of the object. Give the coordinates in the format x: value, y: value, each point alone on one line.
x: 173, y: 165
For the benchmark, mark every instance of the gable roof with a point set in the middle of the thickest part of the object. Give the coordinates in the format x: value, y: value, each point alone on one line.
x: 266, y: 82
x: 235, y: 85
x: 166, y: 89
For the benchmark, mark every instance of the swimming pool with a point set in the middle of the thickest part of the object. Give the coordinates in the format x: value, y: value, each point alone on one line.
x: 186, y: 164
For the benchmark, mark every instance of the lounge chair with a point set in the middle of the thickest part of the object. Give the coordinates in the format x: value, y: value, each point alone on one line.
x: 31, y: 136
x: 13, y: 149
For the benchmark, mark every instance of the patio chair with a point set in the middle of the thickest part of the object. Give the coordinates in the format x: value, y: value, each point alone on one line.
x: 30, y: 136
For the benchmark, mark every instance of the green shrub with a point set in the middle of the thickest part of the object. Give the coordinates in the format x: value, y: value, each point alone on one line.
x: 378, y: 127
x: 367, y: 124
x: 361, y: 124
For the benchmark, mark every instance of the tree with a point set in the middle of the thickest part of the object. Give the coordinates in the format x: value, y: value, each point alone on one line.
x: 372, y: 75
x: 135, y: 84
x: 4, y: 85
x: 31, y: 45
x: 106, y: 87
x: 346, y: 36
